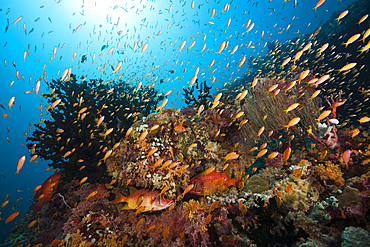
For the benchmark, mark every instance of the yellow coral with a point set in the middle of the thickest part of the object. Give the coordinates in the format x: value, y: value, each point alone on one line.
x: 111, y: 240
x: 74, y: 240
x: 301, y: 194
x: 330, y: 171
x: 193, y: 208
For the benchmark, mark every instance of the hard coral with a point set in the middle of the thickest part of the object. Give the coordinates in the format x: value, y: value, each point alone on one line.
x: 301, y: 195
x: 330, y: 171
x: 257, y: 184
x: 355, y: 236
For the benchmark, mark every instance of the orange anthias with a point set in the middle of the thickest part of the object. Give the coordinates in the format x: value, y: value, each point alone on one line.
x: 179, y: 128
x: 45, y: 192
x: 213, y: 182
x: 144, y: 197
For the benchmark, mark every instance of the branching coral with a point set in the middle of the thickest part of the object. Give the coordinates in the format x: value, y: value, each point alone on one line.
x: 203, y: 96
x: 90, y: 117
x: 330, y: 171
x: 165, y: 166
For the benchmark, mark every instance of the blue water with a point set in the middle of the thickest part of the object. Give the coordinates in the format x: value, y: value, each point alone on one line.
x: 140, y: 21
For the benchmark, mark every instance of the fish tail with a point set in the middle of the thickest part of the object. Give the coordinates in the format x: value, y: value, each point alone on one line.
x: 238, y: 182
x: 120, y: 198
x: 17, y: 172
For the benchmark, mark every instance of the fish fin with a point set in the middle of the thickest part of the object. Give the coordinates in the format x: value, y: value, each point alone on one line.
x: 228, y: 172
x: 238, y: 182
x: 139, y: 201
x: 120, y: 198
x: 36, y: 206
x: 125, y: 207
x: 132, y: 190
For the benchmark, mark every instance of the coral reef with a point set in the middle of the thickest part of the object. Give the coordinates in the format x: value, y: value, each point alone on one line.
x: 237, y: 171
x: 355, y: 236
x: 87, y: 117
x: 301, y: 195
x: 268, y: 110
x: 192, y: 208
x: 330, y: 171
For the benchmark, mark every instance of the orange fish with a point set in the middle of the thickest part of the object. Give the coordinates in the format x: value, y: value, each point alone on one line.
x: 11, y: 217
x: 297, y: 173
x: 166, y: 232
x: 139, y: 223
x: 151, y: 228
x: 287, y: 153
x: 319, y: 3
x: 292, y: 122
x: 261, y: 153
x: 231, y: 156
x: 45, y: 192
x: 20, y: 164
x: 91, y: 195
x: 4, y: 203
x: 55, y: 242
x: 214, y: 205
x: 144, y: 197
x: 208, y: 171
x: 187, y: 189
x: 143, y: 135
x: 32, y: 224
x: 208, y: 219
x: 279, y: 194
x: 179, y: 128
x: 205, y: 184
x: 83, y: 180
x: 18, y: 19
x: 346, y: 155
x: 288, y: 187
